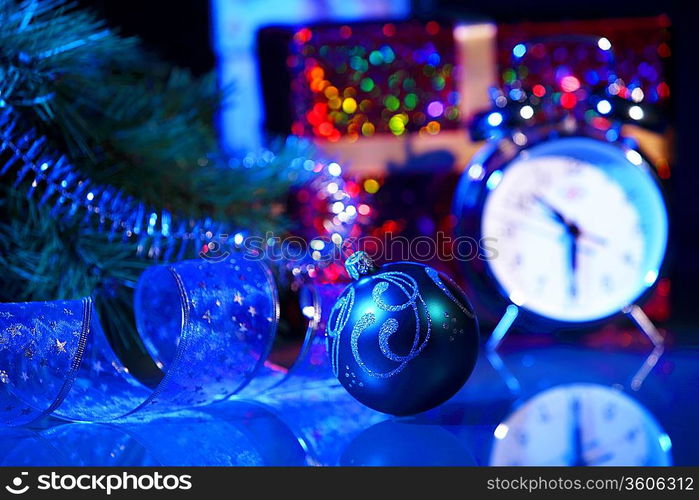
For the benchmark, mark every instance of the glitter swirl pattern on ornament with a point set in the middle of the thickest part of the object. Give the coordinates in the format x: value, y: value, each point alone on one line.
x: 343, y: 310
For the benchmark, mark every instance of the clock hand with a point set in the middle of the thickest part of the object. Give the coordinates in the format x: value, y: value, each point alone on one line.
x: 543, y: 228
x: 570, y: 225
x: 593, y: 238
x: 579, y: 458
x: 555, y: 214
x: 573, y: 234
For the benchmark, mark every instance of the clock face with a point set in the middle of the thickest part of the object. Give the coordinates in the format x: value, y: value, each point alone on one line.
x: 580, y: 424
x: 580, y: 229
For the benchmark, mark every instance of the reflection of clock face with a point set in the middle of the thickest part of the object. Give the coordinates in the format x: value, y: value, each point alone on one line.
x: 580, y: 227
x: 580, y: 424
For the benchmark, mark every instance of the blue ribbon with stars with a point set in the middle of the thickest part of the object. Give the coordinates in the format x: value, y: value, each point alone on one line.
x: 207, y: 326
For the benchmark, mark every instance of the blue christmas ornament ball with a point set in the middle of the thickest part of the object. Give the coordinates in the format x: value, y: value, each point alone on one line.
x: 402, y: 338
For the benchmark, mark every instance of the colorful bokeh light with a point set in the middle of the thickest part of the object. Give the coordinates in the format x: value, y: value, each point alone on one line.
x: 366, y: 79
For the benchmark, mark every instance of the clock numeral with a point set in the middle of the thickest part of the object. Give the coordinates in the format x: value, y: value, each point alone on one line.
x: 607, y: 282
x: 574, y: 168
x: 543, y: 178
x: 610, y: 412
x: 508, y: 231
x: 541, y: 281
x: 632, y: 434
x: 517, y: 260
x: 523, y: 439
x: 524, y: 201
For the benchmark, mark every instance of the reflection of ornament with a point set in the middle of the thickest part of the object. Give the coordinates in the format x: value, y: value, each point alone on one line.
x: 405, y: 444
x: 581, y: 424
x: 403, y: 338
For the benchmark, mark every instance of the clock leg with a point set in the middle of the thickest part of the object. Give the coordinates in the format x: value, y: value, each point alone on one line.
x: 641, y: 320
x: 503, y: 326
x: 495, y: 340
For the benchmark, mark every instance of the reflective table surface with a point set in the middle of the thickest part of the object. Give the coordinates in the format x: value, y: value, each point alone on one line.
x: 551, y: 405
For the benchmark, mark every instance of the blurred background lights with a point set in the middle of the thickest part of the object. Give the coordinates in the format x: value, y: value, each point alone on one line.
x: 634, y: 157
x: 568, y: 100
x: 435, y: 108
x: 501, y: 431
x: 391, y: 102
x: 526, y: 112
x: 519, y: 138
x: 516, y: 94
x: 637, y: 94
x: 519, y: 50
x: 665, y: 442
x: 349, y: 105
x: 476, y: 171
x: 334, y: 169
x: 651, y: 276
x: 396, y: 124
x: 494, y: 179
x: 432, y: 127
x: 570, y: 83
x: 604, y: 44
x: 494, y: 119
x: 636, y: 112
x: 371, y: 186
x: 604, y: 107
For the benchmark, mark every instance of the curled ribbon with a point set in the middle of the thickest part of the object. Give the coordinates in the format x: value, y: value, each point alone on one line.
x: 208, y: 328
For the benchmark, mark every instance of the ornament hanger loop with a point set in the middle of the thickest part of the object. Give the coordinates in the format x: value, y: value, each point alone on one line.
x: 359, y: 264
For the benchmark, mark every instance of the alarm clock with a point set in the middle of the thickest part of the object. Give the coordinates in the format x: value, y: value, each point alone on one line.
x: 578, y: 425
x: 572, y: 225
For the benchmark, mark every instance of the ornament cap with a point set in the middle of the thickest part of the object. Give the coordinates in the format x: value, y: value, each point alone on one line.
x: 359, y: 264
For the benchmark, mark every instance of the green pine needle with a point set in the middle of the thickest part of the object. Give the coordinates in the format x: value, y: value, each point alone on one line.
x: 127, y: 119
